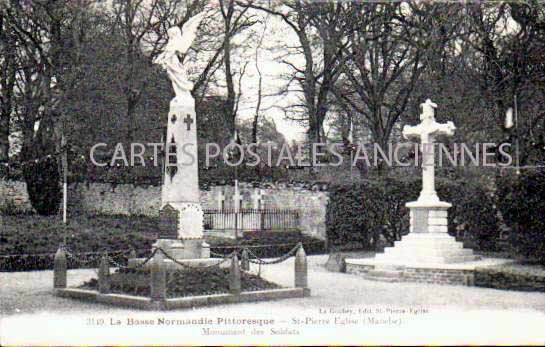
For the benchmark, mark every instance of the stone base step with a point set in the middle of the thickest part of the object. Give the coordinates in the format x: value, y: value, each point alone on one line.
x: 430, y: 243
x: 406, y: 250
x: 425, y: 259
x: 437, y: 236
x: 435, y: 248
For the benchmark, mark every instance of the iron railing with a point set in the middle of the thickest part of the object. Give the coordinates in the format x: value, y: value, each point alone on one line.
x: 251, y: 220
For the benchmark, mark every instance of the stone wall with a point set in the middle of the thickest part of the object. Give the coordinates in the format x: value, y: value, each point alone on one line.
x: 13, y: 195
x: 127, y: 199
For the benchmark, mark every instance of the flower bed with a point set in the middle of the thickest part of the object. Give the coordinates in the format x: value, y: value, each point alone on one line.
x: 180, y: 283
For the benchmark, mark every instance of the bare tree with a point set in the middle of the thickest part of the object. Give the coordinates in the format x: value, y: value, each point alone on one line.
x: 508, y: 41
x: 8, y: 70
x: 321, y: 31
x: 47, y: 37
x: 142, y: 25
x: 258, y: 47
x: 235, y: 20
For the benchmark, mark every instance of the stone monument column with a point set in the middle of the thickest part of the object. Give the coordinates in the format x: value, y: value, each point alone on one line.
x: 180, y: 189
x: 181, y: 213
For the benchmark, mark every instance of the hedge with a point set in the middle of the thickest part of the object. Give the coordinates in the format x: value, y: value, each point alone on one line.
x: 521, y: 200
x: 510, y: 277
x: 358, y: 214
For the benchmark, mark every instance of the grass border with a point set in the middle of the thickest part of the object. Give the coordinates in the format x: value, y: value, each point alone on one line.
x: 145, y: 303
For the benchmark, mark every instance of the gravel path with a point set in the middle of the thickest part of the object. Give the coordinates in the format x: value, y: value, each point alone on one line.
x: 412, y: 313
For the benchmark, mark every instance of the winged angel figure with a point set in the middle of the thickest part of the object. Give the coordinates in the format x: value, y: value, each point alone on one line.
x: 168, y: 58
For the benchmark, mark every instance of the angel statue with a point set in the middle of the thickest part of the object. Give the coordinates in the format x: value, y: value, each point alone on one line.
x: 168, y: 58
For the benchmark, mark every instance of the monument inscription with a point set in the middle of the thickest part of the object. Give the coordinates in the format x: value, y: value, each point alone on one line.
x: 169, y: 222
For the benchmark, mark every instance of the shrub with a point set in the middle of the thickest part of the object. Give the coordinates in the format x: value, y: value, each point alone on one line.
x: 10, y: 208
x: 42, y: 179
x: 358, y: 214
x: 474, y: 207
x: 521, y: 200
x: 511, y: 276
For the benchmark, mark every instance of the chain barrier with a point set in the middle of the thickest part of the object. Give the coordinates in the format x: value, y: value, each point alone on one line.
x: 94, y: 257
x: 123, y: 267
x: 196, y: 267
x: 80, y: 262
x: 276, y: 261
x: 219, y: 255
x: 267, y: 245
x: 63, y: 247
x: 83, y: 262
x: 170, y: 258
x: 128, y: 250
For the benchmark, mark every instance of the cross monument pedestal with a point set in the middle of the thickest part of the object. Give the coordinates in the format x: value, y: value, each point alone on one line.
x: 428, y: 253
x: 428, y: 240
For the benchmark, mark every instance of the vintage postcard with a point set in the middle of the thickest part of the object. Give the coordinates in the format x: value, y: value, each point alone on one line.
x: 272, y: 172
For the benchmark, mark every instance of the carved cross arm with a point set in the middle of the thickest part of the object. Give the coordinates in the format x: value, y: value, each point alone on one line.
x: 412, y: 132
x: 447, y: 128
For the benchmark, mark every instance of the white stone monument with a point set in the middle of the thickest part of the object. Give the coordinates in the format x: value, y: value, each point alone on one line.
x: 257, y: 199
x: 220, y: 198
x: 237, y: 198
x: 180, y: 191
x: 428, y: 240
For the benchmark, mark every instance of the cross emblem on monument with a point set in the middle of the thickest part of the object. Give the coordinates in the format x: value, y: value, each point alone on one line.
x: 188, y: 120
x: 426, y: 131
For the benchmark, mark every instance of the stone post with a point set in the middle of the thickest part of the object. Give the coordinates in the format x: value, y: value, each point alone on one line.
x: 301, y: 279
x: 158, y: 285
x: 104, y: 275
x: 245, y: 260
x: 60, y: 267
x: 234, y: 276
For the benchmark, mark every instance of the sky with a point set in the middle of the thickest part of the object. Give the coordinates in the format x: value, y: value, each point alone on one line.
x: 269, y: 55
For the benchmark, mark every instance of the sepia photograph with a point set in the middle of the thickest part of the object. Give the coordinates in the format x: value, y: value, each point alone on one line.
x: 272, y: 172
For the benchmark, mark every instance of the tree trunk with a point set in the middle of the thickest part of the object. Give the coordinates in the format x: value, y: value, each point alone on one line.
x: 4, y: 141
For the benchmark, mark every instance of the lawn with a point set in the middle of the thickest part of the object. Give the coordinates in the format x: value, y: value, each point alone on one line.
x: 28, y: 242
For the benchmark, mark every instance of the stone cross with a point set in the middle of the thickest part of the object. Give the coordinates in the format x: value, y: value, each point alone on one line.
x: 237, y: 198
x: 427, y: 130
x: 257, y: 198
x: 221, y: 200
